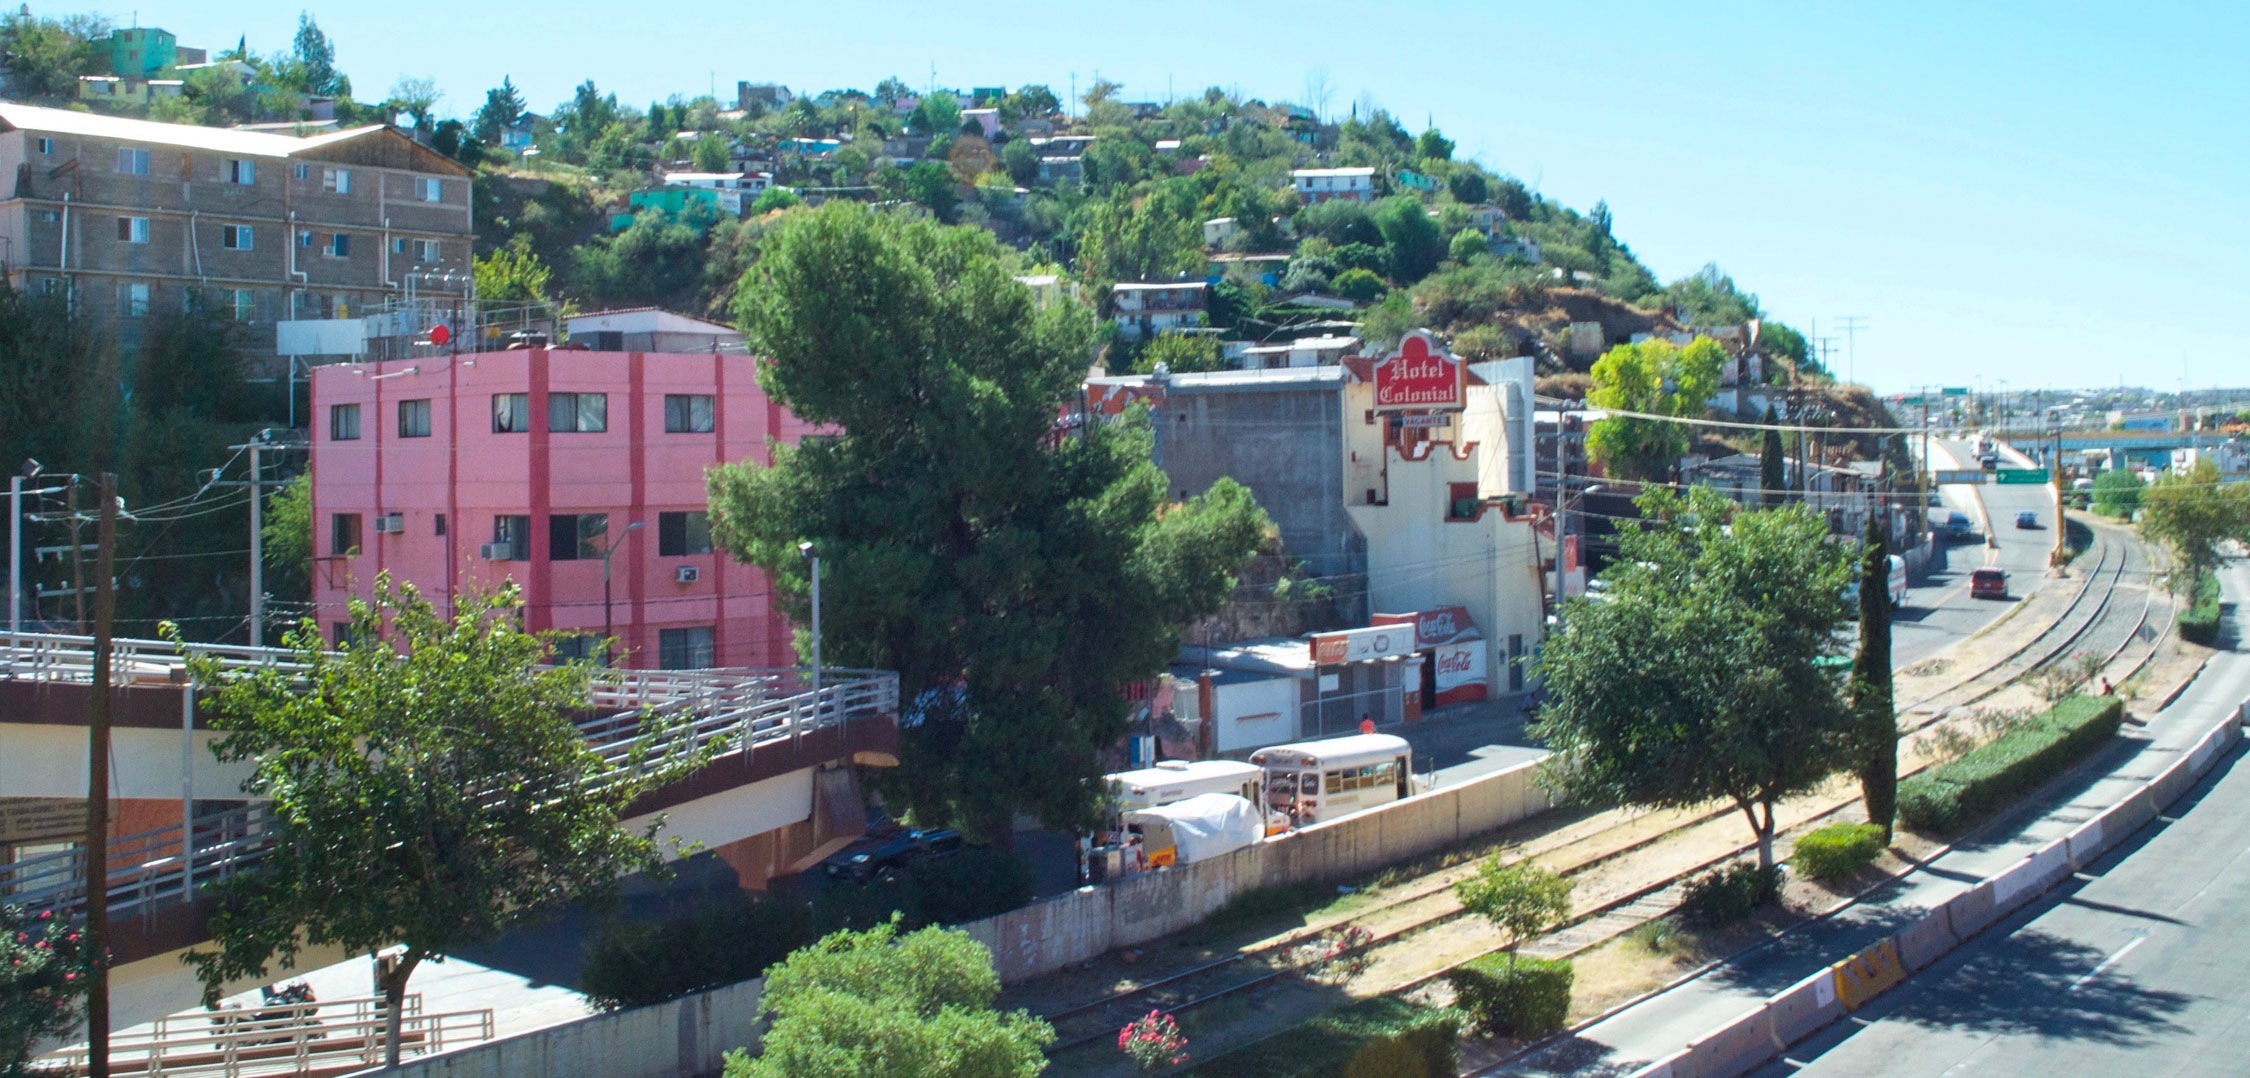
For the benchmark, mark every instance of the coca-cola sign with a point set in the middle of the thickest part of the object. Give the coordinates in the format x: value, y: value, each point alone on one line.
x: 1421, y: 377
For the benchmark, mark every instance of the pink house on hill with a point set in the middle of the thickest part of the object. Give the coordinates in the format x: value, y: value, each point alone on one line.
x: 467, y: 470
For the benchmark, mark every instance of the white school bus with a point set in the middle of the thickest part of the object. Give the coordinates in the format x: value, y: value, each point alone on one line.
x: 1313, y: 781
x: 1178, y: 780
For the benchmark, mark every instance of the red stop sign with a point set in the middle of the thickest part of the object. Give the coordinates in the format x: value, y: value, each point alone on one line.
x: 439, y: 334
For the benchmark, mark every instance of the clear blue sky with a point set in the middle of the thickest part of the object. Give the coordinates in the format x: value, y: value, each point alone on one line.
x: 2030, y: 192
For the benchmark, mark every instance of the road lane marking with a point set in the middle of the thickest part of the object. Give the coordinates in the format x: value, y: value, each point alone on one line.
x: 2108, y: 962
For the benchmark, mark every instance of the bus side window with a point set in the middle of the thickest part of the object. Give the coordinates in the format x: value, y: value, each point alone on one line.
x: 1309, y: 782
x: 1335, y: 782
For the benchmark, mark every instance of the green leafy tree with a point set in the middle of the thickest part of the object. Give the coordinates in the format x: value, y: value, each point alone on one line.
x: 316, y: 60
x: 44, y: 966
x: 1413, y: 241
x: 1181, y: 353
x: 1432, y: 146
x: 2197, y: 518
x: 876, y: 1004
x: 1124, y: 239
x: 44, y: 57
x: 1706, y: 673
x: 657, y: 261
x: 1013, y: 580
x: 1708, y: 297
x: 503, y: 106
x: 775, y: 198
x: 1875, y: 731
x: 1658, y: 378
x: 430, y: 792
x: 1522, y: 900
x: 1343, y: 222
x: 512, y: 275
x: 1773, y: 463
x: 1020, y: 161
x: 937, y: 114
x: 417, y: 98
x: 1031, y: 102
x: 892, y: 90
x: 1357, y: 285
x: 287, y: 540
x: 929, y: 183
x: 711, y: 153
x: 2117, y: 492
x: 1468, y: 185
x: 1467, y: 244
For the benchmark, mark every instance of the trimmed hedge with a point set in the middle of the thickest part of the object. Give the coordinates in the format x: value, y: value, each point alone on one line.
x: 718, y: 941
x: 1992, y: 775
x: 1729, y: 894
x: 1384, y: 1037
x: 2200, y: 624
x: 1523, y: 998
x: 1837, y: 851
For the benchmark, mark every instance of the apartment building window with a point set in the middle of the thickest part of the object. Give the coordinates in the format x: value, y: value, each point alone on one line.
x: 300, y: 171
x: 514, y: 531
x: 576, y: 536
x: 132, y: 300
x: 243, y: 173
x: 683, y: 534
x: 236, y: 237
x: 304, y: 237
x: 414, y: 418
x: 575, y: 648
x: 243, y: 301
x: 343, y: 534
x: 511, y: 413
x: 339, y: 246
x: 429, y: 190
x: 46, y: 145
x: 132, y: 162
x: 426, y: 250
x: 687, y: 649
x: 688, y: 413
x: 441, y: 523
x: 338, y: 180
x: 343, y: 422
x: 132, y: 230
x: 582, y: 413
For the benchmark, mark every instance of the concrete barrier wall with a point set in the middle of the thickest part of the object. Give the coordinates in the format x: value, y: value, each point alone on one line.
x: 1927, y: 940
x: 2088, y: 842
x: 1736, y: 1048
x: 2031, y: 877
x: 1067, y: 929
x: 1666, y: 1067
x: 690, y: 1035
x: 1804, y: 1009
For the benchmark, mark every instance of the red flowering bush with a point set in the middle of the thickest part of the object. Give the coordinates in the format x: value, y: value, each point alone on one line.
x: 43, y: 974
x: 1153, y: 1043
x: 1337, y: 955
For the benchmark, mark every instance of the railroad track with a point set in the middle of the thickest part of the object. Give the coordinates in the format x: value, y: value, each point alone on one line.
x: 1432, y: 903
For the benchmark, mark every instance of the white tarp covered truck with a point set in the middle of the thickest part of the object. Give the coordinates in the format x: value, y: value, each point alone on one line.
x: 1196, y: 829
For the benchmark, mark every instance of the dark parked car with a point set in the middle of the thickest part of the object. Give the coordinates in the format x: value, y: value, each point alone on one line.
x: 877, y: 855
x: 1988, y: 584
x: 2027, y: 519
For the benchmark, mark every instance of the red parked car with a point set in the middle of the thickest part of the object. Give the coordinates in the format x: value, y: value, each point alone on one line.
x: 1988, y: 584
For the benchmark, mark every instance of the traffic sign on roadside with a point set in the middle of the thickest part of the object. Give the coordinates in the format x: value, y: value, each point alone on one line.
x: 1957, y: 391
x: 2020, y: 476
x: 1942, y: 476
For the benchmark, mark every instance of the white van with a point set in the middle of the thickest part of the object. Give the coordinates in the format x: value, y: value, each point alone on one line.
x: 1898, y: 581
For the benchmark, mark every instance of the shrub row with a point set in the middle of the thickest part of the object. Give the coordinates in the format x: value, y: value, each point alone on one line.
x: 1990, y: 776
x: 1837, y: 851
x: 1384, y: 1037
x: 1729, y: 894
x: 735, y: 937
x: 2200, y: 624
x: 1519, y: 997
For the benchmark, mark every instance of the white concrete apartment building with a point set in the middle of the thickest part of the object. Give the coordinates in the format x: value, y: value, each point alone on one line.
x: 1323, y: 184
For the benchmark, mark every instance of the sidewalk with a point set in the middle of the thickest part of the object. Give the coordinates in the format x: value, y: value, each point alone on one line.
x: 1665, y: 1023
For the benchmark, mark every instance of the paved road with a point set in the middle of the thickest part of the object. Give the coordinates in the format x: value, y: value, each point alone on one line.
x: 1938, y: 611
x: 1620, y: 1044
x: 2137, y: 970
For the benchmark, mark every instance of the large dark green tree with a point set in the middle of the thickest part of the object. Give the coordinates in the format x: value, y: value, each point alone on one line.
x: 1875, y: 726
x: 1773, y: 463
x: 1706, y: 674
x: 429, y: 788
x: 1015, y: 577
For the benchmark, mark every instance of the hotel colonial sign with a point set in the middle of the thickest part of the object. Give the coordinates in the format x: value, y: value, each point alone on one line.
x: 1421, y: 377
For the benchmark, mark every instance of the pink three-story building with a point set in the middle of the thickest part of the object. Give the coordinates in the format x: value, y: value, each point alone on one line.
x: 457, y: 471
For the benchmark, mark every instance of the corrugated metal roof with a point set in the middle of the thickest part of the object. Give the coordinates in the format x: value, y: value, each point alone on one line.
x: 190, y: 136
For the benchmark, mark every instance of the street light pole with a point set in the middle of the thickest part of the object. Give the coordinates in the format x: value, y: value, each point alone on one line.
x: 608, y: 630
x: 807, y: 551
x: 1562, y: 530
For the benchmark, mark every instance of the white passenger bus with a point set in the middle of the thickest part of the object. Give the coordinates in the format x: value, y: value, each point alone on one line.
x: 1313, y: 781
x: 1178, y: 780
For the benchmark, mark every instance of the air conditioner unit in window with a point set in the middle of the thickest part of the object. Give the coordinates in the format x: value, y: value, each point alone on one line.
x: 390, y: 524
x: 497, y: 551
x: 687, y: 574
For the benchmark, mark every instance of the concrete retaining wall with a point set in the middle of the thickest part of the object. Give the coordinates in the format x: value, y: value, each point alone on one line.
x: 1804, y: 1009
x: 1927, y: 940
x: 1738, y: 1047
x: 1071, y: 928
x: 690, y: 1035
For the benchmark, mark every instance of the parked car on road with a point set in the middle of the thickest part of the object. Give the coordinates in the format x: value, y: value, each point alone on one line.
x: 863, y: 861
x: 1988, y: 583
x: 2027, y: 519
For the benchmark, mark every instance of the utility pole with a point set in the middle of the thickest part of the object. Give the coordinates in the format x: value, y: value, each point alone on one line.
x: 77, y: 564
x: 257, y: 483
x: 1852, y: 324
x: 97, y: 787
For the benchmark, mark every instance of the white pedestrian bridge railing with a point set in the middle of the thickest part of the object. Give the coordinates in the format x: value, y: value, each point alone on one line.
x: 637, y: 720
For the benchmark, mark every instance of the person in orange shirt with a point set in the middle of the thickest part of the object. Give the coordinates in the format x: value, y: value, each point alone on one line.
x: 1366, y: 724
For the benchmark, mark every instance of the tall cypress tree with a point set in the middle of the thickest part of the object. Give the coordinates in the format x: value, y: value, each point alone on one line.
x: 1771, y: 476
x: 1876, y: 729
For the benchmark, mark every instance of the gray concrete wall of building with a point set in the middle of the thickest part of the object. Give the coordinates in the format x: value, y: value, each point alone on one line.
x: 1285, y: 444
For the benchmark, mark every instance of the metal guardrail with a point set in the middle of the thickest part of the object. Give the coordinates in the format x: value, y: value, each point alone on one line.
x: 642, y: 719
x: 331, y: 1036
